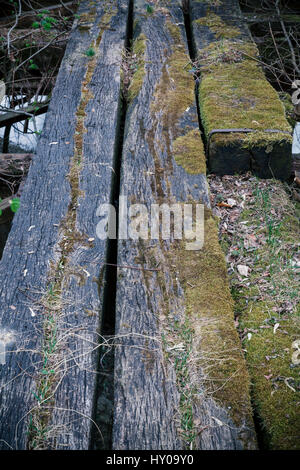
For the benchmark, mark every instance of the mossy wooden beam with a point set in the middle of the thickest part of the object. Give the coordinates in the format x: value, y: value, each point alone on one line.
x: 180, y: 377
x: 235, y: 94
x: 51, y: 292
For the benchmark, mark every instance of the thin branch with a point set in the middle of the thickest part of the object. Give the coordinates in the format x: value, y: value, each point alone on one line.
x: 293, y: 56
x: 39, y: 51
x: 13, y: 27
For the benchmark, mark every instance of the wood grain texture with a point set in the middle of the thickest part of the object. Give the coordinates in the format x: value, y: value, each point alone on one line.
x: 35, y: 258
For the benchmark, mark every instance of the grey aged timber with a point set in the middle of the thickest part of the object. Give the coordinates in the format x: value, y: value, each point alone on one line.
x: 87, y: 92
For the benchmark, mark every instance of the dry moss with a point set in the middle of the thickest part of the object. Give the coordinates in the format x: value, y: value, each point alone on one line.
x: 174, y: 94
x: 188, y: 152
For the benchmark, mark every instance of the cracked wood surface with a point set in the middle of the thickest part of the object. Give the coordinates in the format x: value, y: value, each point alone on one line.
x: 34, y: 244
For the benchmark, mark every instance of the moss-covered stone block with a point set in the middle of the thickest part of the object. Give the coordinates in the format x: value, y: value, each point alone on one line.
x: 234, y: 94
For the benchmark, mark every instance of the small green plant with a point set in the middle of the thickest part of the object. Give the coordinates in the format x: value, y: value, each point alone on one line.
x: 46, y: 22
x: 90, y: 52
x: 14, y: 205
x: 149, y: 8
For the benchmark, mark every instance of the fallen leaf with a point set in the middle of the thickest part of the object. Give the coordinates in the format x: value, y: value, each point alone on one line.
x: 32, y: 312
x: 231, y: 202
x: 243, y: 269
x: 268, y: 376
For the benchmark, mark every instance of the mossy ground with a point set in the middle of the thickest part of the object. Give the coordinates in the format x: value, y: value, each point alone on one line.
x: 234, y: 92
x: 265, y: 237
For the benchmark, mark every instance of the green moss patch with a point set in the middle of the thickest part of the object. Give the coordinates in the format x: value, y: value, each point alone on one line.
x: 138, y: 52
x: 189, y: 153
x: 175, y: 90
x: 174, y: 94
x: 218, y: 26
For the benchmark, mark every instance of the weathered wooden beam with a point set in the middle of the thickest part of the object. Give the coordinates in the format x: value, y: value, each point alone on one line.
x: 175, y: 335
x: 235, y: 94
x: 50, y: 270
